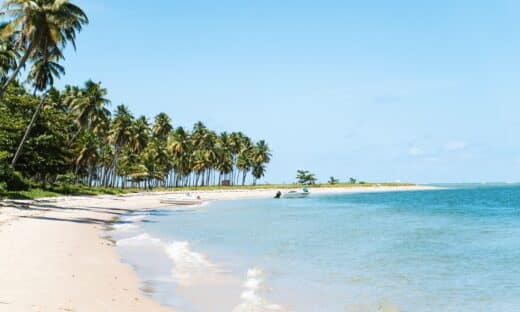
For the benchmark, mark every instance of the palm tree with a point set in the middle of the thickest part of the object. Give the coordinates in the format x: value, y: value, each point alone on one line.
x: 120, y: 135
x: 44, y: 70
x: 258, y: 172
x: 41, y: 75
x: 178, y: 142
x: 8, y: 56
x: 305, y: 177
x: 333, y: 180
x: 199, y: 135
x: 140, y: 135
x: 88, y: 155
x: 224, y: 161
x: 41, y: 26
x: 260, y: 155
x: 153, y: 167
x: 120, y: 131
x: 88, y: 105
x: 162, y: 126
x: 179, y: 147
x: 235, y: 145
x: 244, y: 159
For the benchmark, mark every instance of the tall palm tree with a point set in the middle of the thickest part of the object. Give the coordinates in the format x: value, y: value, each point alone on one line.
x: 162, y: 126
x: 41, y: 76
x: 88, y: 105
x: 244, y: 159
x: 41, y: 26
x: 120, y: 135
x: 235, y: 145
x: 180, y: 149
x: 258, y: 172
x: 88, y: 155
x: 8, y: 56
x: 178, y: 142
x: 199, y: 135
x: 120, y: 131
x: 224, y: 163
x: 44, y: 70
x: 260, y: 155
x: 154, y: 166
x: 140, y: 135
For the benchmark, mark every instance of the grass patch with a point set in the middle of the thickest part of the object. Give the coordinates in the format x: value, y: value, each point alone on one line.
x: 30, y: 194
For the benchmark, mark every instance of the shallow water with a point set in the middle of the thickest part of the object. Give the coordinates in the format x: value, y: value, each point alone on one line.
x: 445, y: 250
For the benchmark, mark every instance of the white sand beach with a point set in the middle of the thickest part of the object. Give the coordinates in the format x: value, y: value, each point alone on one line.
x: 55, y: 255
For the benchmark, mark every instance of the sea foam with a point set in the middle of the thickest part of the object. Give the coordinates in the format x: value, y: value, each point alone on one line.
x: 188, y: 266
x: 251, y: 299
x: 138, y: 240
x: 134, y: 218
x: 125, y: 226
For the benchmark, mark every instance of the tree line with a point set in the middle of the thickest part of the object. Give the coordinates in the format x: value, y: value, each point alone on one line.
x: 71, y: 135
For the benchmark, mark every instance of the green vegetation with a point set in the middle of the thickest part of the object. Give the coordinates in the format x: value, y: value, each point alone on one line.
x: 333, y: 181
x: 69, y: 142
x: 305, y: 177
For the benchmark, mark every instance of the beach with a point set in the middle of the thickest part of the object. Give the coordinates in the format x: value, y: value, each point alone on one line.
x: 56, y: 255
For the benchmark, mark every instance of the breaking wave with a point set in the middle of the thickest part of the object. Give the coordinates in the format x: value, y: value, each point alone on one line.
x: 252, y: 301
x: 188, y: 266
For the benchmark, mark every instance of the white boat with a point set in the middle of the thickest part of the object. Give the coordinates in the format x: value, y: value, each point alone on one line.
x: 297, y: 194
x: 186, y: 199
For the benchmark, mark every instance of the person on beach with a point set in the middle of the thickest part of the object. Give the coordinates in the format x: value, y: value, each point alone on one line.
x: 278, y: 195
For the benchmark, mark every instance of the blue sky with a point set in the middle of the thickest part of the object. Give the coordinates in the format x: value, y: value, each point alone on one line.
x: 422, y: 91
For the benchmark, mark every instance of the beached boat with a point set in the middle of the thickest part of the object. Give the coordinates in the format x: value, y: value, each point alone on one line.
x: 186, y: 199
x: 297, y: 194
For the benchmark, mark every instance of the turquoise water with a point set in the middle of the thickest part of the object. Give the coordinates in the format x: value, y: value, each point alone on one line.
x: 456, y: 249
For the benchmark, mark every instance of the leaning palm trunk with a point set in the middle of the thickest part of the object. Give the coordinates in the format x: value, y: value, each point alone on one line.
x: 26, y: 134
x: 75, y: 136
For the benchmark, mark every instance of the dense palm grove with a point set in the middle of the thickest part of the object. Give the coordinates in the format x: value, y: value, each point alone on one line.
x: 72, y: 135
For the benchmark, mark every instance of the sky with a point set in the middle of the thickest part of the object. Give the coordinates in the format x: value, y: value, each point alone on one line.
x: 417, y: 91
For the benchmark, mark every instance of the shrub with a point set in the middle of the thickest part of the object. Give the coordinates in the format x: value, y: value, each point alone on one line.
x: 305, y: 177
x: 333, y: 180
x: 67, y: 179
x: 13, y: 180
x: 3, y: 187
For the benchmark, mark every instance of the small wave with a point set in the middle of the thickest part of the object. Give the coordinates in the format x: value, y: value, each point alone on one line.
x: 188, y: 265
x: 134, y: 218
x: 125, y: 226
x: 251, y: 300
x: 140, y: 239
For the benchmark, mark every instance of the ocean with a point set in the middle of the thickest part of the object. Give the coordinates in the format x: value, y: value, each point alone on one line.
x: 452, y: 249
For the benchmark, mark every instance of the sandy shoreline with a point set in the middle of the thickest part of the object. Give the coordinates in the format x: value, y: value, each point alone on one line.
x: 54, y: 256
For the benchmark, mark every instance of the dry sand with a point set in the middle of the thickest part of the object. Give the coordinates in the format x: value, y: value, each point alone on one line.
x: 54, y: 255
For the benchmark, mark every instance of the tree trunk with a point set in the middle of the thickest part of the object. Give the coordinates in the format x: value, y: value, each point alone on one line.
x: 75, y: 136
x: 244, y: 178
x: 26, y: 134
x: 90, y: 169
